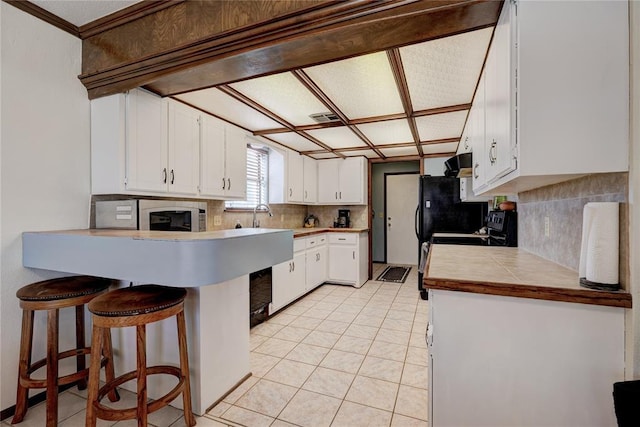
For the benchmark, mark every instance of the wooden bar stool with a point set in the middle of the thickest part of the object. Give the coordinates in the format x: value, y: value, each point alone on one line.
x: 52, y: 295
x: 138, y: 306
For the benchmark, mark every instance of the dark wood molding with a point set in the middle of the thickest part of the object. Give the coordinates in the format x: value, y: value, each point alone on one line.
x: 46, y: 16
x: 320, y: 33
x: 124, y: 16
x: 397, y: 159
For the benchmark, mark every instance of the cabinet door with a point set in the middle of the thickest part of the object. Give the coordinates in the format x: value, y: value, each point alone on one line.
x: 328, y: 181
x: 351, y: 181
x: 316, y: 267
x: 184, y: 149
x: 499, y: 94
x: 298, y: 277
x: 310, y: 180
x: 281, y: 285
x: 343, y: 264
x: 212, y: 152
x: 479, y: 154
x: 146, y: 143
x: 236, y: 162
x: 295, y: 177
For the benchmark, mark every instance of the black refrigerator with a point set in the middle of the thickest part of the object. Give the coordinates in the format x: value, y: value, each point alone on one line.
x: 440, y: 210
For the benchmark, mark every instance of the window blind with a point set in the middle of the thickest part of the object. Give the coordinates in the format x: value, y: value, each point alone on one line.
x: 257, y: 185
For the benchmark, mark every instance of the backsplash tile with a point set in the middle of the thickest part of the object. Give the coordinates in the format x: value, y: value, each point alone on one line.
x: 563, y: 203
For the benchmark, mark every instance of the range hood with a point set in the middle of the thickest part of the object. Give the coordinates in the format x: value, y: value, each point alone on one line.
x: 459, y: 166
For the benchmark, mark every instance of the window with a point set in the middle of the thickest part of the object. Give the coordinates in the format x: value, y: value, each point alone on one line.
x: 257, y: 183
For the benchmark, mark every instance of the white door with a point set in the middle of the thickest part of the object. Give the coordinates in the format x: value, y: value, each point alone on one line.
x: 402, y: 200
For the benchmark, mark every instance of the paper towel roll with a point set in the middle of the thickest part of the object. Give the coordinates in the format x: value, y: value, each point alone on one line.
x: 600, y: 246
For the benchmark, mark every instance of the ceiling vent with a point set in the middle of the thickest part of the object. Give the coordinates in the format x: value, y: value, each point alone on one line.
x: 324, y: 117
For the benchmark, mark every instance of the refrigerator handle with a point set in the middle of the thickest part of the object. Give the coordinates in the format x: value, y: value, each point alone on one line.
x: 415, y: 222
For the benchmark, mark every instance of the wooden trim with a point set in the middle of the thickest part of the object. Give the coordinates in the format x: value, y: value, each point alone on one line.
x: 611, y: 299
x: 124, y: 16
x: 440, y: 141
x: 403, y: 89
x: 46, y: 16
x: 396, y: 159
x: 327, y: 31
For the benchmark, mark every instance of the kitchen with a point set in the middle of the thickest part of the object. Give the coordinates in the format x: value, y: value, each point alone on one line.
x: 62, y: 198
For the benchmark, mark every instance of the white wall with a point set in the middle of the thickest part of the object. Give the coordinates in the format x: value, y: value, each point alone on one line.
x: 434, y: 166
x: 44, y: 164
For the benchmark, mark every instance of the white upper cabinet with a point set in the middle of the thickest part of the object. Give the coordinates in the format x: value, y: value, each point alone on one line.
x: 342, y: 181
x: 310, y: 180
x: 184, y: 149
x: 295, y: 177
x: 145, y: 145
x: 292, y: 178
x: 556, y: 100
x: 223, y: 160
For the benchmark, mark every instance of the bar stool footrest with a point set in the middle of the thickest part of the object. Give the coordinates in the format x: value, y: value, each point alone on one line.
x: 29, y: 382
x: 111, y: 414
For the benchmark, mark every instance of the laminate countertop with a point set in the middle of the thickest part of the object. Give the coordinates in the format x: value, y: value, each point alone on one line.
x: 510, y: 272
x: 171, y: 258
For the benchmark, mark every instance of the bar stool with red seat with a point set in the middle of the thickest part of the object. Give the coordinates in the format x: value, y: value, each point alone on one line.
x: 52, y: 295
x: 138, y: 306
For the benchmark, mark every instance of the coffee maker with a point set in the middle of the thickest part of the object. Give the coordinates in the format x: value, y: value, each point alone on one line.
x: 344, y: 220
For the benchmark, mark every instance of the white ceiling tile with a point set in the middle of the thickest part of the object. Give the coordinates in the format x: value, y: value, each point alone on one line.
x: 294, y: 141
x: 399, y: 151
x: 222, y: 105
x: 363, y: 86
x: 370, y: 154
x: 337, y: 137
x: 445, y: 71
x: 387, y: 132
x: 441, y: 126
x: 284, y: 95
x: 449, y: 147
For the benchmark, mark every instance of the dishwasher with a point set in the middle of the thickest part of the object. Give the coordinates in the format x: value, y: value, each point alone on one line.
x: 259, y: 296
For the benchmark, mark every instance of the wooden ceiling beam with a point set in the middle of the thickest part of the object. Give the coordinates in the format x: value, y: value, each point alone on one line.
x: 155, y: 51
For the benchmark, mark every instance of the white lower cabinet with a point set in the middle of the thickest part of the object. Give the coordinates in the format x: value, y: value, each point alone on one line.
x: 348, y: 258
x: 338, y: 257
x: 506, y: 361
x: 288, y: 278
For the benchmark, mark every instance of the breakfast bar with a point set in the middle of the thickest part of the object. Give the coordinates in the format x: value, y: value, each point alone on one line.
x: 514, y: 340
x: 214, y: 266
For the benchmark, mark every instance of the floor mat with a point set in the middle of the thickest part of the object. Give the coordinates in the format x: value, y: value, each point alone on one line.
x: 394, y: 274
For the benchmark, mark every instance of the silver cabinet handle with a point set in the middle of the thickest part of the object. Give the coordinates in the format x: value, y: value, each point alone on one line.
x: 475, y: 170
x: 305, y: 194
x: 229, y: 186
x: 354, y: 254
x: 290, y: 267
x: 294, y: 266
x: 290, y: 192
x: 173, y: 176
x: 493, y: 157
x: 336, y: 195
x: 224, y: 184
x: 164, y: 175
x: 340, y: 195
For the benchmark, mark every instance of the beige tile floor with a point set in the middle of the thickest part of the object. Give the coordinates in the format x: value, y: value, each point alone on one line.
x: 340, y: 356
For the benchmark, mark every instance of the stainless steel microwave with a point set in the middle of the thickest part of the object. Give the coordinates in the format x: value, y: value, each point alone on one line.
x: 139, y: 214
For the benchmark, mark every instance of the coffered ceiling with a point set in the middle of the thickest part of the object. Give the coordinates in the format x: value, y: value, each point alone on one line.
x: 400, y: 103
x: 411, y: 101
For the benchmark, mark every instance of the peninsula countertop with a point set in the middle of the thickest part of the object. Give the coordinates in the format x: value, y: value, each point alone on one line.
x: 163, y: 257
x: 510, y: 272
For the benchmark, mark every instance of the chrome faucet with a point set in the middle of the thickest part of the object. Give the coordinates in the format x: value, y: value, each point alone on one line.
x: 256, y: 223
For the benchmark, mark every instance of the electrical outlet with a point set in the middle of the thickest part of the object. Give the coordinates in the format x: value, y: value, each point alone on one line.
x: 547, y: 227
x: 217, y: 220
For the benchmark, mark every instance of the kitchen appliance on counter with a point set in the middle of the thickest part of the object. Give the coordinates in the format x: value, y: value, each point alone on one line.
x: 344, y: 219
x: 441, y: 211
x: 143, y: 214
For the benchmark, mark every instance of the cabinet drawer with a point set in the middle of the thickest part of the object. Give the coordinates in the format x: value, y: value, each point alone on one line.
x: 343, y: 238
x: 316, y: 240
x: 299, y: 244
